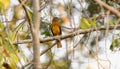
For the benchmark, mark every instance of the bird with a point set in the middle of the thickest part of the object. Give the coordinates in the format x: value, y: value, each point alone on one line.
x: 56, y: 30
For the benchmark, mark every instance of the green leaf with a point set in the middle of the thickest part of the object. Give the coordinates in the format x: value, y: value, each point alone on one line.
x: 46, y: 33
x: 115, y: 44
x: 84, y: 24
x: 1, y: 57
x: 12, y: 36
x: 2, y: 31
x: 8, y: 46
x: 92, y: 23
x: 1, y: 25
x: 1, y: 8
x: 113, y: 21
x: 87, y: 23
x: 28, y: 37
x: 0, y: 41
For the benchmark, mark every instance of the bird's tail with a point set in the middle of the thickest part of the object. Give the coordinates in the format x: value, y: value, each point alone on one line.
x: 59, y: 45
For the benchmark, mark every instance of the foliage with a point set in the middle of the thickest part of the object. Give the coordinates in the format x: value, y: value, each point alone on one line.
x: 87, y: 23
x: 4, y: 5
x: 8, y: 50
x: 93, y: 8
x: 115, y: 44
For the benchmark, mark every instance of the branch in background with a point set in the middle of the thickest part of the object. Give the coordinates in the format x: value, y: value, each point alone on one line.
x: 47, y: 49
x: 44, y: 5
x: 42, y: 40
x: 103, y: 15
x: 27, y: 14
x: 114, y: 11
x: 40, y: 55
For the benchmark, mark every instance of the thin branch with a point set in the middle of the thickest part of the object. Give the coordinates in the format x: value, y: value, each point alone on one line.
x: 40, y: 55
x: 27, y: 14
x: 42, y: 40
x: 114, y: 11
x: 44, y: 5
x: 47, y: 49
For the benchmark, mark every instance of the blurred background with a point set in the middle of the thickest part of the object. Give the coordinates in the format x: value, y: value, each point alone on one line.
x: 94, y: 50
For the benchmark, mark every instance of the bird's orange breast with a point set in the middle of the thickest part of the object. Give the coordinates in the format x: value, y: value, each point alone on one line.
x: 55, y: 27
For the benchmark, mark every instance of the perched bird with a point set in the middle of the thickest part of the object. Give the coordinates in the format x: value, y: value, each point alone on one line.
x: 56, y: 30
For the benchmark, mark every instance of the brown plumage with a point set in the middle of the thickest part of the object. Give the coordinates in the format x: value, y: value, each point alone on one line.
x: 56, y: 30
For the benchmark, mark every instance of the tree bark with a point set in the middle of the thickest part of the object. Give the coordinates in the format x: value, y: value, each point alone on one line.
x: 35, y: 34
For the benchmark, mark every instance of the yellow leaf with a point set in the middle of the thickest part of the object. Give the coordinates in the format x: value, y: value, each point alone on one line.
x: 4, y: 5
x: 14, y: 58
x: 87, y: 23
x: 84, y: 23
x: 92, y: 23
x: 12, y: 36
x: 12, y: 65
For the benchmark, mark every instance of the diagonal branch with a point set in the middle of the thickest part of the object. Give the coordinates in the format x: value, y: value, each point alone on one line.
x: 27, y: 14
x: 42, y: 40
x: 114, y: 11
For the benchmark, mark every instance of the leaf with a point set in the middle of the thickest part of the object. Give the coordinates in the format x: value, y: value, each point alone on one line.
x: 115, y: 44
x: 12, y: 65
x: 14, y: 58
x: 45, y: 29
x: 92, y: 23
x: 1, y: 8
x: 1, y: 25
x: 93, y: 8
x: 12, y: 36
x: 8, y: 45
x: 0, y: 41
x: 46, y: 33
x: 84, y: 24
x: 1, y: 57
x: 28, y: 37
x: 2, y: 30
x: 113, y: 21
x: 87, y: 23
x: 4, y: 5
